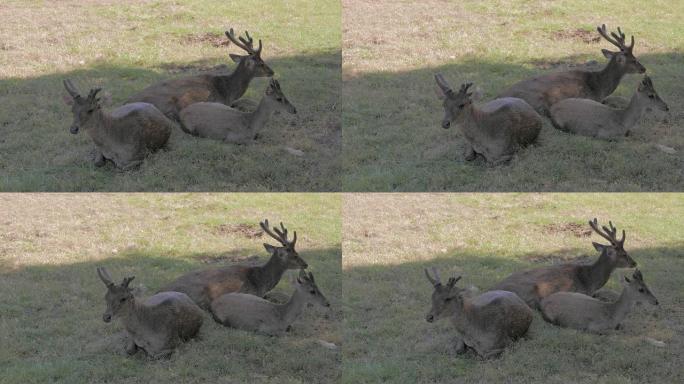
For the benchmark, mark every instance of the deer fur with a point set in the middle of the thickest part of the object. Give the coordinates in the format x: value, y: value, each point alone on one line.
x: 578, y: 311
x: 495, y: 130
x: 590, y: 118
x: 205, y: 286
x: 157, y: 324
x: 171, y: 96
x: 125, y: 135
x: 535, y: 284
x: 220, y: 122
x: 543, y: 91
x: 252, y: 313
x: 487, y: 323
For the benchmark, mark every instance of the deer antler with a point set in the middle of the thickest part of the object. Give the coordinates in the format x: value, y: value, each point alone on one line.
x: 608, y: 233
x: 618, y: 39
x: 93, y: 93
x: 280, y: 235
x: 246, y: 44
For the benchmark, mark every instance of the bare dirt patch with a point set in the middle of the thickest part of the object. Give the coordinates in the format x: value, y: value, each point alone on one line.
x: 575, y: 229
x: 245, y: 230
x: 212, y: 38
x: 587, y: 37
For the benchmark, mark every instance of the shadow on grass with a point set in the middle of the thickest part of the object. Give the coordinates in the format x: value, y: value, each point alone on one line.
x: 52, y: 330
x: 393, y: 140
x: 37, y: 153
x: 388, y: 340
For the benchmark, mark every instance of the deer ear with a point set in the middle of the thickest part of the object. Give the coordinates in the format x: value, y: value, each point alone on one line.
x: 598, y: 247
x: 68, y: 99
x: 236, y: 58
x: 269, y: 248
x: 608, y: 54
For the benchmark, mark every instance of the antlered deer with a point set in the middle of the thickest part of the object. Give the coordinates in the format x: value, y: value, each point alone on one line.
x: 220, y: 122
x: 487, y: 323
x: 591, y: 118
x: 541, y: 92
x: 157, y: 324
x: 171, y: 96
x: 252, y: 313
x: 125, y: 135
x: 575, y: 310
x: 535, y: 284
x: 206, y: 285
x: 495, y: 130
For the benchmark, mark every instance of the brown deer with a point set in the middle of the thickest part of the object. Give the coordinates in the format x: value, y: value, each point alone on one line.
x: 541, y: 92
x: 487, y: 323
x: 171, y: 96
x: 590, y: 118
x: 535, y: 284
x: 578, y: 311
x: 206, y: 285
x: 221, y: 122
x: 252, y: 313
x: 495, y: 130
x: 125, y: 135
x: 157, y: 324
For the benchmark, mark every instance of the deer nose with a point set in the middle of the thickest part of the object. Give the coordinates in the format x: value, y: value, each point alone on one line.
x: 294, y: 110
x: 429, y: 318
x: 656, y: 303
x: 73, y: 129
x: 106, y: 318
x: 446, y: 124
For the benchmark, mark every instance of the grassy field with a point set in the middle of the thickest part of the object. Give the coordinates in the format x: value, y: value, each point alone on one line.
x: 124, y: 46
x: 389, y: 239
x: 51, y: 300
x: 392, y: 135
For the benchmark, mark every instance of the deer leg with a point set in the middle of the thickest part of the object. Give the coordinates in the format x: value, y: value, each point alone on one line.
x: 131, y: 347
x: 99, y: 159
x: 131, y: 165
x: 503, y: 159
x: 459, y: 346
x: 469, y: 153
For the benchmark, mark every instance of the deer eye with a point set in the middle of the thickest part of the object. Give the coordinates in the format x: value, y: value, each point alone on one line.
x: 641, y: 290
x: 280, y: 99
x: 448, y: 299
x: 312, y: 292
x: 651, y: 96
x: 122, y: 300
x: 460, y: 106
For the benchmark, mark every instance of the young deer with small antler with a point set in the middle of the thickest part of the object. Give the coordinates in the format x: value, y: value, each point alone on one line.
x: 487, y: 323
x: 252, y: 313
x: 125, y: 135
x: 535, y: 284
x: 157, y: 324
x: 591, y: 118
x: 578, y: 311
x: 206, y: 285
x: 541, y: 92
x: 220, y: 122
x: 495, y: 130
x: 171, y: 96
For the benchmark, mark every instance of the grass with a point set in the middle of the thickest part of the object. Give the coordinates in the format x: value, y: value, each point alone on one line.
x: 124, y: 46
x: 51, y: 300
x: 389, y: 239
x: 392, y: 136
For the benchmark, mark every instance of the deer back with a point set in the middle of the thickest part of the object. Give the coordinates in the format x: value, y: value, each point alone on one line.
x: 205, y: 285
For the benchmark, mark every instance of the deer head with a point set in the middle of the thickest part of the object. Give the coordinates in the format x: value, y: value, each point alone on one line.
x: 615, y: 251
x: 639, y: 288
x: 117, y: 297
x: 646, y: 91
x: 275, y: 95
x: 252, y: 60
x: 306, y: 284
x: 83, y: 108
x: 455, y: 103
x: 286, y: 254
x: 624, y: 57
x: 443, y: 297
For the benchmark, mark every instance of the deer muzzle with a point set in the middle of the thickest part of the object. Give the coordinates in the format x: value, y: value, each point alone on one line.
x: 429, y: 318
x: 106, y: 317
x: 73, y: 129
x: 446, y: 124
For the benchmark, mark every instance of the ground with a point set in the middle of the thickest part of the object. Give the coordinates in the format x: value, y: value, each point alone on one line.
x: 393, y: 140
x: 124, y: 46
x: 51, y: 300
x: 389, y: 239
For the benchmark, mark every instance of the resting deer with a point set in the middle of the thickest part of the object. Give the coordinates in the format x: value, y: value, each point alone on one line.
x: 535, y: 284
x: 171, y: 96
x: 220, y: 122
x: 495, y: 130
x: 125, y: 135
x: 206, y: 285
x: 157, y: 324
x: 252, y: 313
x: 575, y: 310
x: 487, y: 323
x: 541, y: 92
x: 590, y: 118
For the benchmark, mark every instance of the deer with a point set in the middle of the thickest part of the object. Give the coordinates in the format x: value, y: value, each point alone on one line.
x: 543, y: 91
x: 255, y: 314
x: 590, y: 118
x: 158, y: 324
x: 204, y: 286
x: 495, y: 130
x: 578, y: 311
x: 125, y: 135
x: 486, y: 323
x: 533, y: 285
x: 171, y: 96
x: 220, y: 122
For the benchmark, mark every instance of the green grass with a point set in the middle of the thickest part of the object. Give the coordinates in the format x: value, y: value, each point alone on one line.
x: 393, y: 140
x: 389, y: 239
x: 51, y: 300
x: 124, y: 46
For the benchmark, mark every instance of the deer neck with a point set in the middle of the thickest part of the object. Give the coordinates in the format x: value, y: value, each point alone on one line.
x: 99, y: 126
x: 267, y: 276
x: 258, y: 118
x: 469, y: 124
x: 232, y: 87
x: 633, y: 112
x: 597, y: 274
x: 131, y: 314
x: 607, y: 80
x: 291, y: 310
x: 458, y: 310
x: 623, y: 305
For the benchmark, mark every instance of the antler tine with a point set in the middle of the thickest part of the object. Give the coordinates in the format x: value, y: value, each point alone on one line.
x: 264, y: 226
x: 606, y: 235
x: 464, y: 87
x: 93, y: 92
x: 602, y: 31
x: 238, y: 41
